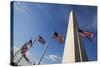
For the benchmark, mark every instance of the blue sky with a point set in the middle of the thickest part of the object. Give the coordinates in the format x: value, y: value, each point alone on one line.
x: 32, y: 19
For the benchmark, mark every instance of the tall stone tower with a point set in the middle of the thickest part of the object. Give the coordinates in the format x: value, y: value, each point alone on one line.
x: 74, y: 50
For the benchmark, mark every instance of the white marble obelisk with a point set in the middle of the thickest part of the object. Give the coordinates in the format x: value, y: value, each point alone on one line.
x: 74, y: 50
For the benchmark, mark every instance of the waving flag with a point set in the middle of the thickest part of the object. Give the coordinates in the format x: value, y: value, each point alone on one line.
x: 24, y: 49
x: 29, y: 44
x: 88, y: 35
x: 26, y: 46
x: 58, y: 37
x: 41, y: 40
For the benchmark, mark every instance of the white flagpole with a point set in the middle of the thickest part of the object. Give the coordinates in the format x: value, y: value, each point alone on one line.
x: 44, y: 51
x: 17, y: 52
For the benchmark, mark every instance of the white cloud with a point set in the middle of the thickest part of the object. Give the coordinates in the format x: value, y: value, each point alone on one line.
x: 53, y: 58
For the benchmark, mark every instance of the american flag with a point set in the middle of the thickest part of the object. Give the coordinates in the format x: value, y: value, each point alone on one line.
x: 25, y: 48
x: 41, y: 40
x: 58, y: 37
x: 88, y: 35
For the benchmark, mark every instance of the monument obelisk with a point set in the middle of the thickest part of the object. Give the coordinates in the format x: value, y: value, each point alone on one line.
x: 74, y: 50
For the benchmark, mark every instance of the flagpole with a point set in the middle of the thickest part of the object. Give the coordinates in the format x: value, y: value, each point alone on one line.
x: 44, y: 52
x: 19, y: 51
x: 20, y: 58
x: 27, y: 50
x: 17, y: 54
x: 43, y: 55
